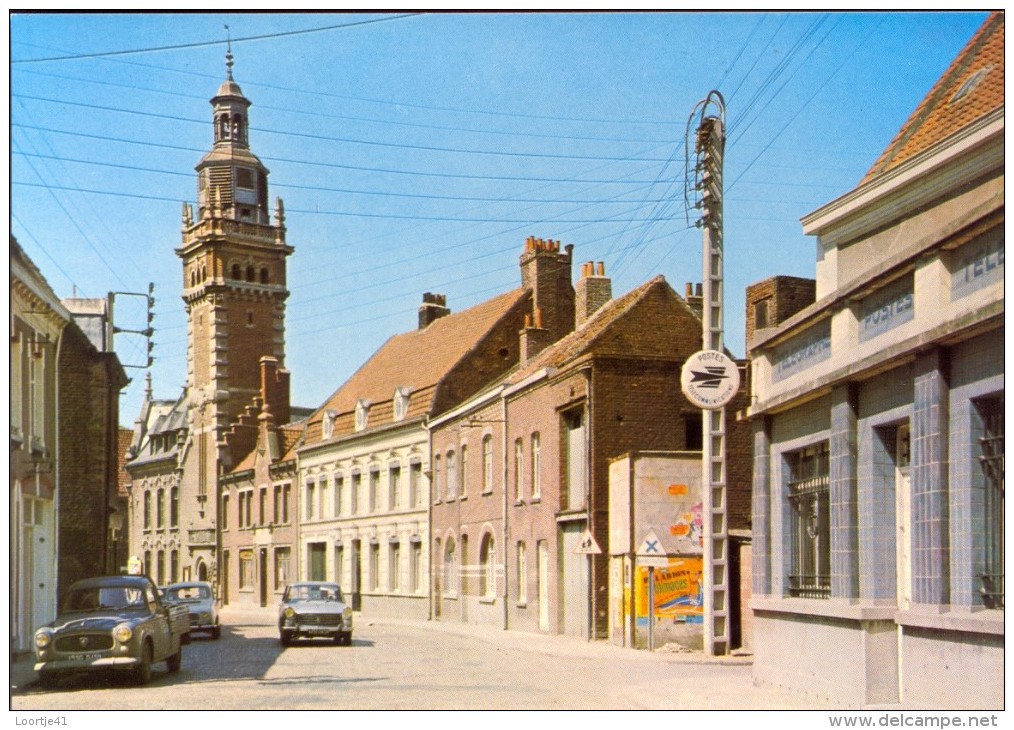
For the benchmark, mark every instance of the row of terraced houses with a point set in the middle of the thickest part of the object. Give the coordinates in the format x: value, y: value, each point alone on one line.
x: 461, y: 473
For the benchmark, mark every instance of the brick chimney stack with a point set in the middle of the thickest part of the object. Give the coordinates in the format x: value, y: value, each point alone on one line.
x: 546, y: 272
x: 433, y: 307
x: 695, y: 299
x: 591, y: 292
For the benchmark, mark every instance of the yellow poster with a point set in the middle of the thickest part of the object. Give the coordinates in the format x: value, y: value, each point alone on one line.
x: 679, y: 591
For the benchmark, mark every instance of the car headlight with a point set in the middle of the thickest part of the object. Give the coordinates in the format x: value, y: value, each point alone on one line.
x: 289, y: 612
x: 122, y: 633
x: 42, y: 638
x: 204, y: 617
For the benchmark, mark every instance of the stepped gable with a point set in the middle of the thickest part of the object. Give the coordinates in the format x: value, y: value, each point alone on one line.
x: 970, y: 89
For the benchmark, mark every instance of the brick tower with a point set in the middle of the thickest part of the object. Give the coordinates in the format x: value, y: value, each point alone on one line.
x: 234, y: 291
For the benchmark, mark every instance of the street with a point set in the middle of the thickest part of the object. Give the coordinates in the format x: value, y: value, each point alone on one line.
x: 415, y: 665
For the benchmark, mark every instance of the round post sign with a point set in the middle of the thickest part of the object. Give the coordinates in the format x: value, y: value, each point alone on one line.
x: 709, y: 379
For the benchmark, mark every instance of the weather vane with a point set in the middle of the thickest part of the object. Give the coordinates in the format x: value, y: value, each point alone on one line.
x: 228, y: 52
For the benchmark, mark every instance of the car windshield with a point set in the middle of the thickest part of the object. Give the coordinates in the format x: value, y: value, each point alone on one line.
x: 105, y: 598
x: 313, y: 593
x: 188, y: 594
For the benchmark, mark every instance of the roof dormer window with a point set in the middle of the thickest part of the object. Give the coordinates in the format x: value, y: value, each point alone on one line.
x: 327, y: 425
x: 401, y: 396
x: 362, y: 414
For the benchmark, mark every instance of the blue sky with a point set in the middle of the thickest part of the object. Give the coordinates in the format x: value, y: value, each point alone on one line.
x: 416, y: 154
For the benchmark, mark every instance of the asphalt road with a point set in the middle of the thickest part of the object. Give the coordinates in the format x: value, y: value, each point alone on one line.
x: 418, y: 666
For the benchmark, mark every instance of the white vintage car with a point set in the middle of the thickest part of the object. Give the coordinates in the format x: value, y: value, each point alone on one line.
x: 315, y: 610
x: 199, y: 599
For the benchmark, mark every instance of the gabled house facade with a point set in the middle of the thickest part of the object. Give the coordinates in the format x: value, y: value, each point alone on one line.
x: 367, y: 477
x: 538, y: 448
x: 258, y: 516
x: 878, y: 414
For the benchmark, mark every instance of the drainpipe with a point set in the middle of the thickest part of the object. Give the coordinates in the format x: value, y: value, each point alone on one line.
x: 429, y: 520
x: 506, y: 531
x: 589, y: 481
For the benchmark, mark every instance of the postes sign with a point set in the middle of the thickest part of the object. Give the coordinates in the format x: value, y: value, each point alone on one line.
x: 709, y: 379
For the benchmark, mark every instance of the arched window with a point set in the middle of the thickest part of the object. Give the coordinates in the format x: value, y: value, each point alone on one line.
x: 193, y: 277
x: 264, y: 275
x: 147, y: 510
x: 160, y: 509
x: 250, y: 273
x: 204, y: 272
x: 237, y: 273
x: 450, y: 568
x: 487, y: 567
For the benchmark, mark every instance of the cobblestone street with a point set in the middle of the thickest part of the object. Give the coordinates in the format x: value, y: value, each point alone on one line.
x: 395, y: 665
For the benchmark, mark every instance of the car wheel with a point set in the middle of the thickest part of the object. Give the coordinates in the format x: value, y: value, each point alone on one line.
x: 347, y: 638
x: 174, y: 662
x: 286, y: 638
x: 48, y: 680
x: 216, y: 632
x: 185, y: 639
x: 142, y: 675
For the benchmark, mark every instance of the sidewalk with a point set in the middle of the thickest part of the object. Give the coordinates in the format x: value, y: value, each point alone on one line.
x: 22, y: 671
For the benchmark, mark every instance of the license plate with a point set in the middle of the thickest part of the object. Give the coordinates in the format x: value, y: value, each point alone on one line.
x: 318, y: 630
x: 85, y: 657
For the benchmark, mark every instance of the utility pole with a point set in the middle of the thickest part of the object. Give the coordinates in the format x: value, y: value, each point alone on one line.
x: 710, y: 378
x: 147, y: 332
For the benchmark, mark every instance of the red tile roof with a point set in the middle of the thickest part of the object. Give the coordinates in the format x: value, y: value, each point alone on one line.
x: 418, y: 360
x: 971, y: 88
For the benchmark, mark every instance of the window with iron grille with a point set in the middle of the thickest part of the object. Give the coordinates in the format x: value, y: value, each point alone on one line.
x: 991, y: 459
x: 809, y: 498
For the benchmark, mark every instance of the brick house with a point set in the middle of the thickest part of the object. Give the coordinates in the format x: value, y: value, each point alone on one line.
x: 258, y: 515
x: 539, y: 445
x: 877, y: 416
x: 90, y: 380
x: 367, y: 476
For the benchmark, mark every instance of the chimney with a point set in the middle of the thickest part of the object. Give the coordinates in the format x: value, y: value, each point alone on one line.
x: 534, y: 338
x: 275, y: 389
x: 545, y: 271
x: 433, y: 307
x: 591, y: 292
x: 695, y: 300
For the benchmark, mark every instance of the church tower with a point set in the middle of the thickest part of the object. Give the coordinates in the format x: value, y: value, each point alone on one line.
x: 234, y: 291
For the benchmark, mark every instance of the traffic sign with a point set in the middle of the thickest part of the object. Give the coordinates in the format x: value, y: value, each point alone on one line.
x: 588, y: 546
x: 709, y: 379
x: 651, y: 546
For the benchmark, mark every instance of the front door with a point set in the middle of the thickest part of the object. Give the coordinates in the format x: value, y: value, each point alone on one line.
x: 357, y: 575
x: 264, y: 577
x: 543, y: 585
x: 573, y: 581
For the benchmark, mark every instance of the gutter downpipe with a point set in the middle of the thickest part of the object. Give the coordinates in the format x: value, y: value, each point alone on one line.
x: 429, y: 521
x: 589, y: 478
x: 506, y: 530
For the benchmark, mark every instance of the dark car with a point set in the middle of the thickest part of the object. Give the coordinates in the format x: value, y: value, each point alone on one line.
x: 199, y: 599
x: 314, y: 609
x: 111, y: 623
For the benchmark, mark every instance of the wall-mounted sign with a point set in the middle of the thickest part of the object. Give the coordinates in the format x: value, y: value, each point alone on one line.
x: 709, y: 379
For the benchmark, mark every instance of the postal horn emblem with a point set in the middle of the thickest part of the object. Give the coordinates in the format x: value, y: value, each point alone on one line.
x: 83, y: 641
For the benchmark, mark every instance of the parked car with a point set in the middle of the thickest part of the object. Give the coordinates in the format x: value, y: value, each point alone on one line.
x: 115, y: 622
x: 199, y: 598
x: 314, y: 609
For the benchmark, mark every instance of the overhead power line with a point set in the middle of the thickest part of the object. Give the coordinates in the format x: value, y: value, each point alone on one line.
x: 204, y: 44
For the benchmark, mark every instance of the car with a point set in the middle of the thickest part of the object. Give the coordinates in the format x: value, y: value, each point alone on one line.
x: 314, y: 609
x: 116, y: 622
x: 199, y: 598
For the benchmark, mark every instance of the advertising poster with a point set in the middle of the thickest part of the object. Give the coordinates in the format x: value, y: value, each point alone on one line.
x: 679, y: 591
